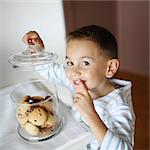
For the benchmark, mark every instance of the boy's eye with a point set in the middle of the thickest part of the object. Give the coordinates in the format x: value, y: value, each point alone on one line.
x: 69, y: 63
x: 85, y: 63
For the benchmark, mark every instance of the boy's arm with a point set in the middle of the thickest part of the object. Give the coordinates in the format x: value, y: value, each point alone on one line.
x: 97, y: 126
x: 52, y: 72
x: 120, y: 133
x: 84, y: 104
x: 55, y: 73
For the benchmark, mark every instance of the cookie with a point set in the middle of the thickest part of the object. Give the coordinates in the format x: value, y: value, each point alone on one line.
x: 37, y: 98
x: 23, y: 111
x: 25, y: 99
x: 46, y: 131
x: 38, y: 116
x: 48, y: 106
x: 32, y: 129
x: 22, y: 121
x: 51, y: 121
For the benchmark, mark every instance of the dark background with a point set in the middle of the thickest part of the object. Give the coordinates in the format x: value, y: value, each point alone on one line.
x: 129, y: 22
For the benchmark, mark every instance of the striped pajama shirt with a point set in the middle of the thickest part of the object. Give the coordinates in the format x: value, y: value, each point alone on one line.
x: 115, y: 110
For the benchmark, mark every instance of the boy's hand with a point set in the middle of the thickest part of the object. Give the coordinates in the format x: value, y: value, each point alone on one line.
x: 83, y: 101
x: 33, y: 38
x: 84, y: 104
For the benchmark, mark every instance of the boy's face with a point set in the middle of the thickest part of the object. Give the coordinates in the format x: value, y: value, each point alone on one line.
x: 86, y: 62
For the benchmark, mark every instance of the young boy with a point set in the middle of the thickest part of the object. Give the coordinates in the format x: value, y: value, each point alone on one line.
x: 103, y: 103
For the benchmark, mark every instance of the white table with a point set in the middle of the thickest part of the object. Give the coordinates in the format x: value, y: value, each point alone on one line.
x: 73, y: 136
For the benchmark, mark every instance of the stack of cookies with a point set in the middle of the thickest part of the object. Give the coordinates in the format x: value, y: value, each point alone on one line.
x: 36, y: 114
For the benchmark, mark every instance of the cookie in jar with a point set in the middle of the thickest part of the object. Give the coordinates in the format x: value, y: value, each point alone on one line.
x: 37, y: 115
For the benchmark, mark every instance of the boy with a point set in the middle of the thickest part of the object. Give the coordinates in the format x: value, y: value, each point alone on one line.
x: 100, y: 101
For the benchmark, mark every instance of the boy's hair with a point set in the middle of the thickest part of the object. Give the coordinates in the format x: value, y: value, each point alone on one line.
x: 99, y: 35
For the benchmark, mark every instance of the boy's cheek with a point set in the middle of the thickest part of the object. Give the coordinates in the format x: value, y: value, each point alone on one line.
x: 69, y: 75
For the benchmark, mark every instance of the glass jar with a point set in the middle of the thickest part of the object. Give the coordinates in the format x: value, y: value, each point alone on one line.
x: 27, y: 61
x: 37, y: 104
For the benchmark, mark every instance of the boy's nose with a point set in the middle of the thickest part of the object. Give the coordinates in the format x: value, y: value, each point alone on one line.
x: 76, y: 71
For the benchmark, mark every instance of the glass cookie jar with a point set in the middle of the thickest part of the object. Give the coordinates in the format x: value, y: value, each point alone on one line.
x: 37, y: 104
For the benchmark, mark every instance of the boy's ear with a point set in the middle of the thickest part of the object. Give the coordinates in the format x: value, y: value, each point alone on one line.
x: 112, y: 67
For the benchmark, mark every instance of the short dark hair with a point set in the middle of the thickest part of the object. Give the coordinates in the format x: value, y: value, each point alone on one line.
x: 101, y: 36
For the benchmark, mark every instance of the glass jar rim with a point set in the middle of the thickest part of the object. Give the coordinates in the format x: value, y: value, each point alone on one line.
x: 31, y: 81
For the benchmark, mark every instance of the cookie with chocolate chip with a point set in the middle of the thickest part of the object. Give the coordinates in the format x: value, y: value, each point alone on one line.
x: 38, y: 116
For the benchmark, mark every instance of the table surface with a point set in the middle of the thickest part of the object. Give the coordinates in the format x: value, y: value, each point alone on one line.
x: 72, y: 136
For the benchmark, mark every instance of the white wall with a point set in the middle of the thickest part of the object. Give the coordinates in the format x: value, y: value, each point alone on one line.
x: 20, y: 16
x: 0, y: 47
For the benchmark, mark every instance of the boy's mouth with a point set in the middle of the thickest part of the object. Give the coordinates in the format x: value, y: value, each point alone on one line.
x: 76, y: 82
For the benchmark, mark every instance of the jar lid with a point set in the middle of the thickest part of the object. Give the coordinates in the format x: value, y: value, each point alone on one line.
x: 28, y: 61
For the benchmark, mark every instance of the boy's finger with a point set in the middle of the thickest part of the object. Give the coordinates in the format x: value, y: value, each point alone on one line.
x: 81, y: 87
x: 25, y: 39
x: 38, y: 42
